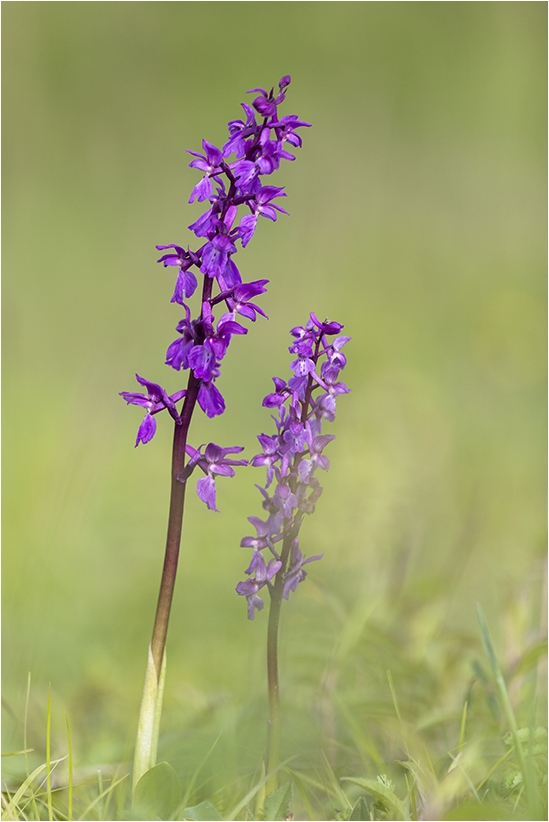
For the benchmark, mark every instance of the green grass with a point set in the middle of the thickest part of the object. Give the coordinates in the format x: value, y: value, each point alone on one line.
x: 450, y: 735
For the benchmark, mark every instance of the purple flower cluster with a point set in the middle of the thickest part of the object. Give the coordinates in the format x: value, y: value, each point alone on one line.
x: 292, y: 455
x: 231, y: 183
x: 228, y: 186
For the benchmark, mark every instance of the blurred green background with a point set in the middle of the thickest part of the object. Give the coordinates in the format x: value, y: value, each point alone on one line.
x: 418, y: 220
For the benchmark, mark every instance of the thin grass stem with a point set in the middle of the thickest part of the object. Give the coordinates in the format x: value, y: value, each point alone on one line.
x: 397, y: 711
x: 463, y: 725
x: 495, y: 767
x: 6, y: 804
x: 69, y: 743
x: 505, y: 702
x: 94, y: 802
x: 25, y: 737
x: 190, y: 787
x: 48, y: 756
x: 252, y: 792
x: 100, y: 790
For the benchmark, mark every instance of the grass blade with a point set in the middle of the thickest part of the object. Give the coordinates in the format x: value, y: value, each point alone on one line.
x: 69, y: 810
x: 25, y: 743
x: 19, y: 794
x: 194, y: 777
x: 251, y: 793
x: 463, y: 725
x: 98, y: 799
x: 48, y: 756
x: 505, y: 702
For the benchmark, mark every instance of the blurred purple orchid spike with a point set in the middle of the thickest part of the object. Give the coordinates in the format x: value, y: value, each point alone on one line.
x: 292, y: 456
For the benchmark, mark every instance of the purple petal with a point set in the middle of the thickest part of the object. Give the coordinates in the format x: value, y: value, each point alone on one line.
x: 185, y: 286
x: 246, y: 588
x: 155, y: 391
x: 210, y: 400
x: 272, y: 400
x: 135, y: 399
x: 213, y: 154
x: 213, y: 452
x: 233, y: 449
x: 246, y: 228
x: 205, y: 488
x: 242, y: 293
x: 146, y: 431
x: 178, y: 395
x: 273, y: 568
x: 202, y: 190
x: 339, y: 342
x: 177, y: 353
x: 261, y: 527
x: 230, y: 327
x: 320, y: 443
x: 170, y: 259
x: 201, y: 361
x: 230, y: 276
x: 254, y: 603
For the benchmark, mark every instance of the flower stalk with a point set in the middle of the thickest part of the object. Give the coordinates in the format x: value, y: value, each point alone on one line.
x: 273, y: 744
x: 175, y: 525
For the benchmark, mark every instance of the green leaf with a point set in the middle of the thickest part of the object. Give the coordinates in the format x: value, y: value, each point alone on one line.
x: 277, y: 804
x: 149, y: 719
x: 158, y: 792
x: 487, y: 811
x: 381, y: 792
x: 204, y: 812
x: 361, y: 811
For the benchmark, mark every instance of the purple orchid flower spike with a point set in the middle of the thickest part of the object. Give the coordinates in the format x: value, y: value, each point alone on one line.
x: 292, y: 455
x: 234, y: 194
x: 154, y: 401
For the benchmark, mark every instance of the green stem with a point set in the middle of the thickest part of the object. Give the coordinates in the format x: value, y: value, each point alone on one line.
x: 273, y: 745
x: 276, y: 591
